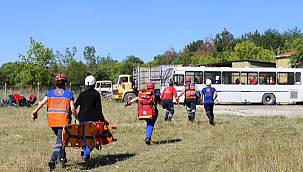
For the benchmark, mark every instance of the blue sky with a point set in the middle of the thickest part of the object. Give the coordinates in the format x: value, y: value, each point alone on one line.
x: 141, y: 28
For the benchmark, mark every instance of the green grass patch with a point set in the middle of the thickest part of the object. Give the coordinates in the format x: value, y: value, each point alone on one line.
x: 234, y: 144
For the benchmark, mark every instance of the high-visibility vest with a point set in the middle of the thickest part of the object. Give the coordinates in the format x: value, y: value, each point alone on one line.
x: 190, y: 91
x: 58, y: 107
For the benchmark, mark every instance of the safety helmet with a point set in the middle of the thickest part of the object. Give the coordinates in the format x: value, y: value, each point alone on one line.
x: 150, y: 85
x: 90, y: 80
x: 188, y: 79
x: 208, y: 82
x: 61, y: 77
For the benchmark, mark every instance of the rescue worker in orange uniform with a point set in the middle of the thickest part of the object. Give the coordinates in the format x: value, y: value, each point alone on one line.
x: 167, y: 100
x: 150, y: 123
x: 60, y: 106
x: 190, y: 101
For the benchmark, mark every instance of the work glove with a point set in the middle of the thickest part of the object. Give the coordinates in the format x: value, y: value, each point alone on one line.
x: 106, y: 122
x: 34, y: 115
x: 127, y: 104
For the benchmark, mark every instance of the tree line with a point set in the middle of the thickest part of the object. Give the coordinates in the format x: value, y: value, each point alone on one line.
x: 40, y: 64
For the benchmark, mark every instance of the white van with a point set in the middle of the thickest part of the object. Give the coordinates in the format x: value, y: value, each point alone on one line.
x: 104, y: 88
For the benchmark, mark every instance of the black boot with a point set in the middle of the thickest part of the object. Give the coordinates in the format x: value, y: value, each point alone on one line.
x: 211, y: 121
x: 148, y: 140
x: 51, y: 165
x: 63, y: 162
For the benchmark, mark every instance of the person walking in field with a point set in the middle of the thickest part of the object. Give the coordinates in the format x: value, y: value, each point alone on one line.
x: 90, y: 110
x: 60, y: 106
x: 209, y: 95
x: 190, y: 91
x: 147, y: 109
x: 167, y: 100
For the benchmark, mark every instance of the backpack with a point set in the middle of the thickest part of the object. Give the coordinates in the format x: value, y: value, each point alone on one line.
x: 146, y: 104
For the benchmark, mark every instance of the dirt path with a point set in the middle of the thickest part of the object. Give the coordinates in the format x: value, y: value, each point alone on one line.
x: 260, y: 110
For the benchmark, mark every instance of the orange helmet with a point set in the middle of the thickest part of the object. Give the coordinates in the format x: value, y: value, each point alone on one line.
x: 61, y: 77
x: 150, y: 85
x: 188, y: 79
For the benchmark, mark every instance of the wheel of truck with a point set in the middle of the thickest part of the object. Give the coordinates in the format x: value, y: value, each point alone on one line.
x: 268, y: 99
x: 128, y: 97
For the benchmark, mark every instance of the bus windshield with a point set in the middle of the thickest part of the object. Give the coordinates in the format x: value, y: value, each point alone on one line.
x: 168, y: 75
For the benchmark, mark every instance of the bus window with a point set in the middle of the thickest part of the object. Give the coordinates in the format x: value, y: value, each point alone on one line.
x: 196, y: 77
x: 298, y: 78
x: 178, y: 80
x: 267, y: 78
x: 285, y: 78
x: 231, y: 77
x: 249, y: 78
x: 214, y: 76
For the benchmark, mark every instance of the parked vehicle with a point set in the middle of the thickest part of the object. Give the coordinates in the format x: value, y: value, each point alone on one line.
x: 125, y: 87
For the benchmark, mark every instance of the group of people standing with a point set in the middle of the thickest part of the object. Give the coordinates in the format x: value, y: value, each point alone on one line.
x: 60, y: 106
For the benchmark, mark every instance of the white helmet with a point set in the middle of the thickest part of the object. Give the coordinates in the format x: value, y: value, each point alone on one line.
x: 90, y: 80
x: 208, y: 82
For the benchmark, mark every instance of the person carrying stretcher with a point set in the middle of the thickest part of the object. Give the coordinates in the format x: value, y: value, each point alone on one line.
x: 60, y: 105
x: 90, y: 110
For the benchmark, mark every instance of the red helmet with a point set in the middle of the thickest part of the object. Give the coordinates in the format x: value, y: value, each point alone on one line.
x: 188, y: 79
x: 61, y: 77
x: 150, y: 85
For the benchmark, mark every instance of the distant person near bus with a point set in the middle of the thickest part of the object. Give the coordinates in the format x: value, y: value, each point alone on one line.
x: 190, y: 98
x: 209, y: 95
x: 167, y: 96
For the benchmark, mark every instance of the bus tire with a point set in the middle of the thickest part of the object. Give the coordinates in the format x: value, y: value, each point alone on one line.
x: 128, y: 97
x: 268, y: 99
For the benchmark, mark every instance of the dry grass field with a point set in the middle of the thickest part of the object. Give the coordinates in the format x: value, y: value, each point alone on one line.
x: 234, y: 144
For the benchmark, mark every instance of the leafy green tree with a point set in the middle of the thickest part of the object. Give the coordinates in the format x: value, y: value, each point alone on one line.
x: 107, y: 68
x: 247, y: 50
x: 129, y: 64
x: 76, y: 72
x: 224, y: 41
x: 184, y: 59
x: 89, y: 55
x: 200, y: 47
x: 158, y: 60
x: 64, y: 59
x: 38, y: 65
x: 296, y: 45
x: 9, y: 72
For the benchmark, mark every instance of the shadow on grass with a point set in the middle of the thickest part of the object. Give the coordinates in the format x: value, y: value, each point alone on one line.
x: 205, y: 122
x: 104, y: 160
x: 166, y: 141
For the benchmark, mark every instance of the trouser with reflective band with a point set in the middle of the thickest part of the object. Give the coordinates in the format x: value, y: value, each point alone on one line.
x: 168, y: 105
x: 58, y: 150
x: 191, y: 108
x: 209, y: 110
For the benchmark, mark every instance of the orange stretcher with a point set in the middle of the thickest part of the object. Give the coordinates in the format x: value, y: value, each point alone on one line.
x: 92, y: 134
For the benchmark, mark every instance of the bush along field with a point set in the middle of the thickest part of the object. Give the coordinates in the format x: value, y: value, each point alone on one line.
x: 234, y: 144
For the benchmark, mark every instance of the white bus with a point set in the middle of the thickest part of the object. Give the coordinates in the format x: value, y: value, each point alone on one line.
x: 243, y: 85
